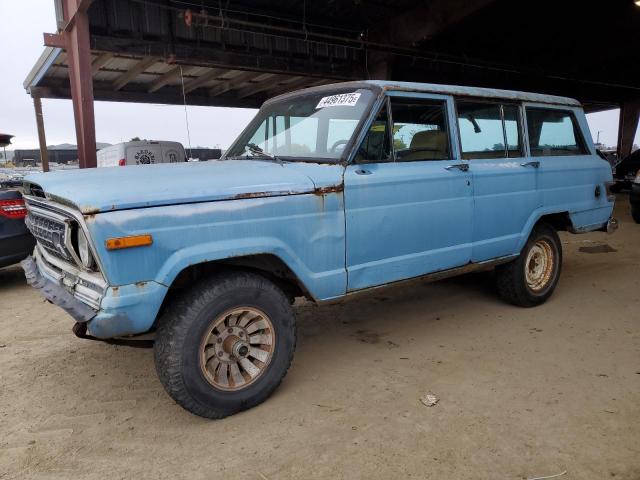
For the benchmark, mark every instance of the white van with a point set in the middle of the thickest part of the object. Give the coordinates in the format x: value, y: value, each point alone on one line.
x: 142, y: 152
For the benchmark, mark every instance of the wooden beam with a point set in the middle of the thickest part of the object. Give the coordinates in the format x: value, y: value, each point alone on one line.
x: 169, y: 76
x: 629, y: 117
x: 304, y: 82
x: 42, y: 140
x: 170, y: 95
x: 54, y: 40
x: 100, y: 61
x: 81, y: 82
x: 233, y: 83
x: 133, y: 72
x: 80, y: 7
x: 212, y: 74
x: 257, y: 87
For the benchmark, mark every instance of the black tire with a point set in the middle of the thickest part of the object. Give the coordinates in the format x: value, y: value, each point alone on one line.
x: 511, y: 280
x: 186, y: 323
x: 635, y: 214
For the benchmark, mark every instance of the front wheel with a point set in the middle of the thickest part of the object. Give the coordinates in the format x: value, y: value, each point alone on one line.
x: 530, y: 279
x: 226, y: 344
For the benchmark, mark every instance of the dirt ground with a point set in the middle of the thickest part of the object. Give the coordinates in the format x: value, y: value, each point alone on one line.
x: 523, y: 392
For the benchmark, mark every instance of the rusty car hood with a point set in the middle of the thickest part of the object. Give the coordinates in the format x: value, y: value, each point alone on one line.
x: 97, y: 190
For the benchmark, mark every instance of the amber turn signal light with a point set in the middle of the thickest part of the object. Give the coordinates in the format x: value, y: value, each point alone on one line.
x: 128, y: 242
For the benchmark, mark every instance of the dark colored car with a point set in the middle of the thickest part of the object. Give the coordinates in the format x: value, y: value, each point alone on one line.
x: 625, y: 172
x: 634, y: 198
x: 16, y: 243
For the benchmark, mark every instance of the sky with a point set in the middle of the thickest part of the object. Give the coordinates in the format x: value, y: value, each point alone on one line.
x: 23, y: 23
x: 21, y: 44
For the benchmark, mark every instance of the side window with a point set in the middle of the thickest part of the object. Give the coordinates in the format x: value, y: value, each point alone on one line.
x: 419, y: 130
x: 489, y: 130
x: 376, y: 146
x: 554, y: 133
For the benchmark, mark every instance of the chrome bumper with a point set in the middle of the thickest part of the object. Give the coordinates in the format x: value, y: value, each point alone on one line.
x: 88, y: 287
x: 56, y: 294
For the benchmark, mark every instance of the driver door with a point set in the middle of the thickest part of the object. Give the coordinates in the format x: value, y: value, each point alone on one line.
x: 408, y: 196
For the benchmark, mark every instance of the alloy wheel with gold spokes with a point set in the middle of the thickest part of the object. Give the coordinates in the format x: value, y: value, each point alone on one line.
x: 237, y: 348
x: 226, y: 343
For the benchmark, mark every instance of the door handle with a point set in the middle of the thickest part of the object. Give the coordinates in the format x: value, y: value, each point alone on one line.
x: 534, y: 164
x: 362, y: 171
x: 463, y: 167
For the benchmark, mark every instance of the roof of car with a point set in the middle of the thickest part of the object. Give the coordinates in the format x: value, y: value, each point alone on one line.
x: 477, y: 92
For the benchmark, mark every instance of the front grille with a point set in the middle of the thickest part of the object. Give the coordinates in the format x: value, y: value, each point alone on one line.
x: 50, y: 234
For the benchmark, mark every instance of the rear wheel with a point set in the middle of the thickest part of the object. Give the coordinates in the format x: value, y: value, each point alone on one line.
x: 531, y: 278
x: 226, y: 345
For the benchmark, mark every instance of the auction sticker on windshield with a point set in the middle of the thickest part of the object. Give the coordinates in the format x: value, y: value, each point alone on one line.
x: 340, y: 100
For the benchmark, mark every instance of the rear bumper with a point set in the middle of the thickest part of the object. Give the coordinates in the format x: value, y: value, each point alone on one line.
x: 124, y: 310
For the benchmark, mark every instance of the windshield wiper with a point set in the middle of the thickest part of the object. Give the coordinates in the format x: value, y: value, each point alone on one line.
x: 256, y: 151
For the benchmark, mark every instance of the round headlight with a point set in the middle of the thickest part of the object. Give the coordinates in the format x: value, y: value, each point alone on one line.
x: 83, y: 249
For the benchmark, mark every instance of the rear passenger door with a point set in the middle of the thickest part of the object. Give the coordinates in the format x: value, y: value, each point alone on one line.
x: 571, y: 174
x: 408, y: 201
x: 505, y: 179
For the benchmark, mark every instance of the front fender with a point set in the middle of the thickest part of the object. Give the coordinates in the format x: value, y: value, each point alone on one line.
x: 306, y: 231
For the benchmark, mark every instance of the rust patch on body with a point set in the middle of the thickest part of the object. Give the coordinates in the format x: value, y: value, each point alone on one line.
x: 316, y: 191
x: 241, y: 196
x: 331, y: 189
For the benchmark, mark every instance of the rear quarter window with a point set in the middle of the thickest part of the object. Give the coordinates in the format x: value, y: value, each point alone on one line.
x: 554, y: 133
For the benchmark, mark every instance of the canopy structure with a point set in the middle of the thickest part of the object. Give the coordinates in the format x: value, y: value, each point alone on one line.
x: 238, y: 53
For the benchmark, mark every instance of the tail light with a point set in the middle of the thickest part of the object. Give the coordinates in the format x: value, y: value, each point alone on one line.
x: 13, y: 208
x: 122, y: 162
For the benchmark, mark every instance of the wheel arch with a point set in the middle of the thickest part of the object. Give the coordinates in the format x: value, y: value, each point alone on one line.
x: 266, y: 264
x: 560, y: 221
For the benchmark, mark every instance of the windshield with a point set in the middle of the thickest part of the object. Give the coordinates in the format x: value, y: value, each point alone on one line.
x: 316, y: 126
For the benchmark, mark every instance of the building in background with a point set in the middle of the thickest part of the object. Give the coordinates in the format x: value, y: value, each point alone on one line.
x: 5, y: 141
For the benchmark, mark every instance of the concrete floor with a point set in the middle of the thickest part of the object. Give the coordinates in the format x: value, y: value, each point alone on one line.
x: 523, y: 392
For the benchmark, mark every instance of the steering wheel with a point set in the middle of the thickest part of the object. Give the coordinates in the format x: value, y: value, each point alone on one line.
x: 337, y: 144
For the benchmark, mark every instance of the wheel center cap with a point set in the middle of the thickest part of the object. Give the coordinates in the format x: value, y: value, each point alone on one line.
x: 235, y: 346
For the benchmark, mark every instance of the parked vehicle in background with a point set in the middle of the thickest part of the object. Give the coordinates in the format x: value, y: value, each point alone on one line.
x: 625, y: 172
x: 608, y: 154
x: 328, y: 192
x: 143, y: 152
x: 16, y: 243
x: 634, y: 199
x: 11, y: 182
x: 203, y: 154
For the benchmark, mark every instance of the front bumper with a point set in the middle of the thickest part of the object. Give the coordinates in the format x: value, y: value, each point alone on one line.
x: 56, y: 294
x: 123, y: 310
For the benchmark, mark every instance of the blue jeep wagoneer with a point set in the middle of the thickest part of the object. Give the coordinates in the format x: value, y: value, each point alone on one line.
x: 329, y: 191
